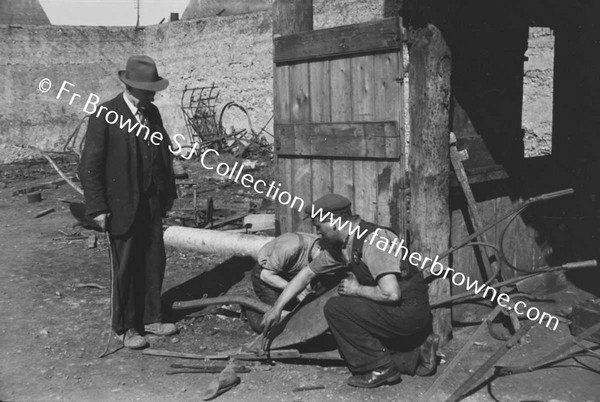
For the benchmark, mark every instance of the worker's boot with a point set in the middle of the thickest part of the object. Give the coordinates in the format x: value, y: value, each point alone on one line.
x: 133, y: 340
x: 383, y: 375
x: 428, y: 356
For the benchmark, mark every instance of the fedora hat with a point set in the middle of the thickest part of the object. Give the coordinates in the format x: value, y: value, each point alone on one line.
x: 141, y: 73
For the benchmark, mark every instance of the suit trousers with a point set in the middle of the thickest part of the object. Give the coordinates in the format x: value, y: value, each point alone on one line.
x: 367, y: 332
x: 139, y: 267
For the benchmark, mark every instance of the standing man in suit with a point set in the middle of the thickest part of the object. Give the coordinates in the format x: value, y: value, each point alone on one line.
x: 129, y: 186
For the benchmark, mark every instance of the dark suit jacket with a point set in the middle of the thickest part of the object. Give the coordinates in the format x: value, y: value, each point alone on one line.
x: 109, y: 165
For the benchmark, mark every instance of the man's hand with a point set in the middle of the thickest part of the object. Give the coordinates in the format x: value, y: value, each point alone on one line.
x: 349, y: 286
x: 270, y: 319
x: 102, y: 220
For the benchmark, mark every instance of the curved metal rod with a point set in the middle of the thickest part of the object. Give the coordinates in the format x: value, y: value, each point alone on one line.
x: 501, y: 243
x: 60, y: 172
x: 234, y: 104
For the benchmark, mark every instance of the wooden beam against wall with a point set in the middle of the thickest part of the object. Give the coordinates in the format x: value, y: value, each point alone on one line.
x: 344, y: 41
x: 292, y: 16
x: 429, y: 103
x: 375, y: 140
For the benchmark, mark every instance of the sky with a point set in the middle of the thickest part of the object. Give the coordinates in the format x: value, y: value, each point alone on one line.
x: 110, y: 12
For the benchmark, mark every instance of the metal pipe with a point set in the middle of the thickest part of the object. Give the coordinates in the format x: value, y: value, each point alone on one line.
x: 215, y: 241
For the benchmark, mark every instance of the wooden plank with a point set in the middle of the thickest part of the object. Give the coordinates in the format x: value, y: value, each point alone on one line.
x: 391, y: 207
x: 340, y: 90
x: 342, y: 172
x: 365, y: 184
x: 322, y: 182
x: 363, y: 109
x: 363, y: 92
x: 290, y: 17
x: 429, y: 80
x: 281, y: 94
x: 586, y: 314
x: 299, y: 93
x: 391, y: 203
x: 302, y: 187
x: 386, y: 87
x: 376, y: 140
x: 320, y: 91
x: 281, y: 110
x: 368, y: 37
x: 457, y: 158
x: 290, y: 92
x: 284, y: 213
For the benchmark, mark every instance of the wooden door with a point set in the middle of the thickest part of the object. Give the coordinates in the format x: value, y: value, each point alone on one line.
x: 339, y: 127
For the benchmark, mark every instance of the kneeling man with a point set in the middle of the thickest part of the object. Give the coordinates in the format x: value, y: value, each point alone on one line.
x: 278, y: 262
x: 382, y: 300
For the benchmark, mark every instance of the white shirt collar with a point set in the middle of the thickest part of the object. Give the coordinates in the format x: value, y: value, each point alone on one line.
x: 132, y: 107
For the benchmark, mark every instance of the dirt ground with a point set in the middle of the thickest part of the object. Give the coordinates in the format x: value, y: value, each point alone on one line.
x: 52, y: 330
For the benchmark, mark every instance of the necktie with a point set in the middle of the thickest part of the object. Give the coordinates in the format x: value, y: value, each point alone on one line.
x: 143, y: 121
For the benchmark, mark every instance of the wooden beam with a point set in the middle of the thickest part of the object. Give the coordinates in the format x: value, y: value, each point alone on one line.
x: 392, y: 8
x: 376, y: 140
x: 292, y: 16
x: 289, y: 16
x: 429, y: 96
x: 344, y: 41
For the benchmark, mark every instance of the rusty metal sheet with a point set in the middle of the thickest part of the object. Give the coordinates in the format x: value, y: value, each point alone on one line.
x: 305, y: 322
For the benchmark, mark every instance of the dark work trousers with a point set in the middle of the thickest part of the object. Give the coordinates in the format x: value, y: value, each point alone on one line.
x: 362, y: 328
x: 139, y: 268
x: 266, y: 294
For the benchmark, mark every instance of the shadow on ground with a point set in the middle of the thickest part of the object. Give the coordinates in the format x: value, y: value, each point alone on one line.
x: 211, y: 283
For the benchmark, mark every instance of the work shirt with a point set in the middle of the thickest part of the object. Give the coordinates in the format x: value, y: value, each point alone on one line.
x: 380, y: 255
x: 287, y: 254
x: 374, y: 254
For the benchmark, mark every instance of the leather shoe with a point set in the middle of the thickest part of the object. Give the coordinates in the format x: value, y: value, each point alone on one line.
x: 375, y: 378
x: 133, y: 340
x: 427, y: 356
x: 161, y: 329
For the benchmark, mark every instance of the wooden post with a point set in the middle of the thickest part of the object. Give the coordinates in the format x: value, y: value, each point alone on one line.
x: 292, y: 16
x: 391, y: 8
x: 429, y: 102
x: 289, y: 17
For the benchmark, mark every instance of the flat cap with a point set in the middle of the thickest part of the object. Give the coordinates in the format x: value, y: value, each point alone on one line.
x: 333, y: 203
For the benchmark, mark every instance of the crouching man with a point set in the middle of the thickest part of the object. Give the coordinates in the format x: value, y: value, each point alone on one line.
x: 278, y: 262
x: 383, y: 299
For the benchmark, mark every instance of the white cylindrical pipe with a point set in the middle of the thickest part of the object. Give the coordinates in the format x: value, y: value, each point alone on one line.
x: 215, y: 241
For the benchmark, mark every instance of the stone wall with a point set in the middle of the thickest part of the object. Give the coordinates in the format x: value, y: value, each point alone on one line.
x: 233, y: 52
x: 538, y: 85
x: 87, y: 57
